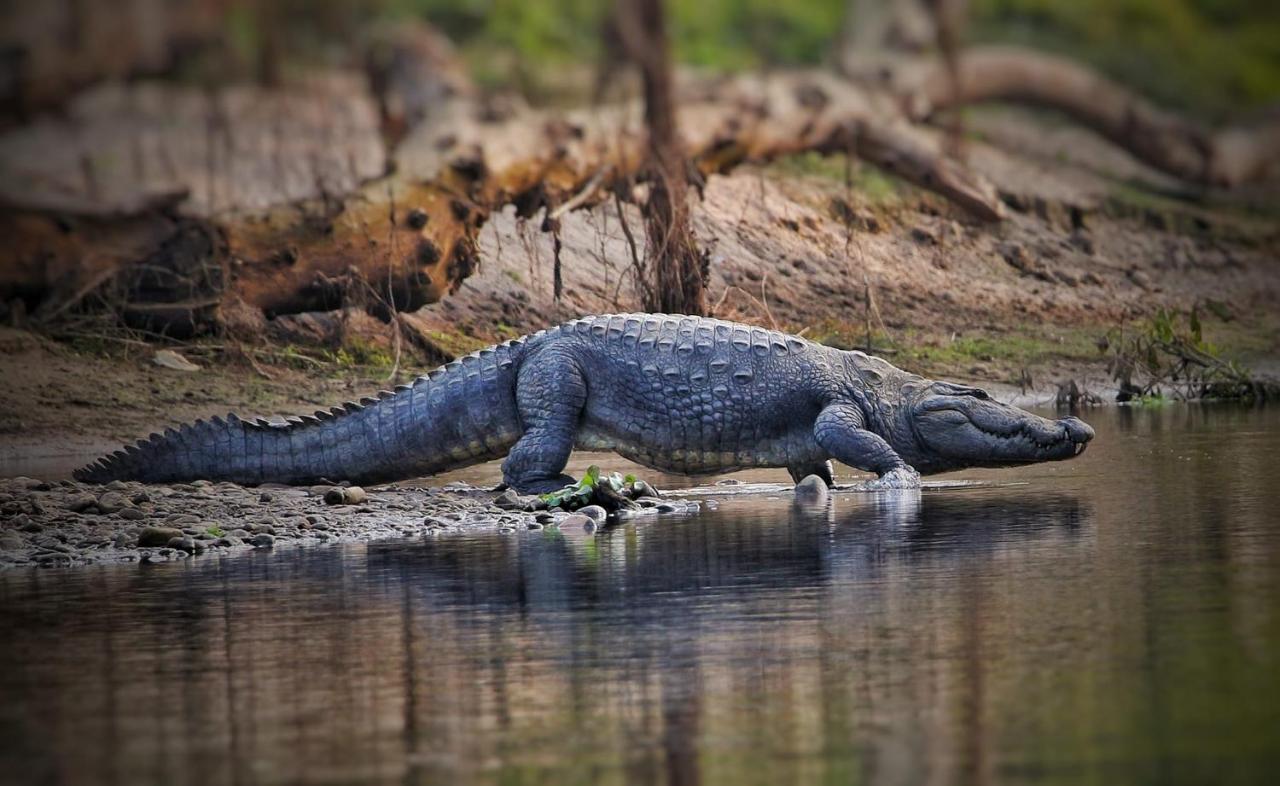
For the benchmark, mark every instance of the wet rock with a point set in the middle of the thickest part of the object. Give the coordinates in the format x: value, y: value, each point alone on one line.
x: 640, y: 490
x: 183, y: 543
x: 577, y: 521
x: 263, y: 541
x: 812, y: 489
x: 595, y: 513
x: 157, y: 536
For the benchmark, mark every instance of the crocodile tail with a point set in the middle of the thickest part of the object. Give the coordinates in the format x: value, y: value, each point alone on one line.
x: 460, y: 414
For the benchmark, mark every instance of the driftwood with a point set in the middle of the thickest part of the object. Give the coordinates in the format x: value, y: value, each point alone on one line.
x: 1178, y: 146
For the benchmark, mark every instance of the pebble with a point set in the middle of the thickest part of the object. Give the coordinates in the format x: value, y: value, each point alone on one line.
x: 157, y: 536
x: 182, y: 543
x: 578, y: 521
x: 811, y: 490
x: 594, y: 512
x: 81, y: 503
x: 350, y: 495
x: 509, y: 500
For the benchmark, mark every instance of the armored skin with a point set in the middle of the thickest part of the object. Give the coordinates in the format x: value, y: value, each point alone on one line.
x: 689, y: 395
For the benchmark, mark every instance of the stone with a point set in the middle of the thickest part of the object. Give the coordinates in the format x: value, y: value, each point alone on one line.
x: 81, y: 503
x: 10, y: 542
x: 812, y: 490
x: 265, y: 497
x: 509, y: 500
x: 577, y: 521
x: 350, y: 495
x: 182, y: 543
x: 640, y: 490
x: 125, y: 540
x: 132, y: 514
x: 157, y: 536
x: 263, y: 541
x: 594, y: 512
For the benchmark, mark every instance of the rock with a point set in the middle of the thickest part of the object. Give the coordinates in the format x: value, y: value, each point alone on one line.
x: 577, y: 521
x: 640, y: 489
x: 125, y: 540
x: 132, y: 514
x: 667, y: 507
x: 113, y: 501
x: 1140, y: 278
x: 116, y: 485
x: 812, y: 489
x: 182, y: 543
x: 157, y: 536
x: 10, y: 542
x: 265, y: 497
x: 263, y: 541
x: 31, y: 526
x: 81, y: 503
x: 594, y: 512
x: 923, y: 236
x: 509, y: 500
x: 167, y: 358
x: 350, y: 495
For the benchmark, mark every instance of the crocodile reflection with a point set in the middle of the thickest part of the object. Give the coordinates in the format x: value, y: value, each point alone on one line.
x: 797, y: 546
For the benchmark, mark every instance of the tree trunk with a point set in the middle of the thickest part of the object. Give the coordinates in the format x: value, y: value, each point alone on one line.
x: 677, y: 267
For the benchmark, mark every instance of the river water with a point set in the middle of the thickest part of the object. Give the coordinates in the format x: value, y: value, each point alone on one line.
x: 1113, y: 619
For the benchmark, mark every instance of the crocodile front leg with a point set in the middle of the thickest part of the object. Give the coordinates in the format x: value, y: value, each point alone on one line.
x: 839, y: 431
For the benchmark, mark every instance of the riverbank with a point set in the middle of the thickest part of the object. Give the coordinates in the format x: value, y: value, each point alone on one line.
x: 64, y: 523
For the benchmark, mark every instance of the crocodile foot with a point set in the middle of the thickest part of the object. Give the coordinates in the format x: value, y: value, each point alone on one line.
x: 897, y: 478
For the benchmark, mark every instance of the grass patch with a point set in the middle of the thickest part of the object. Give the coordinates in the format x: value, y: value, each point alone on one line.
x: 875, y: 186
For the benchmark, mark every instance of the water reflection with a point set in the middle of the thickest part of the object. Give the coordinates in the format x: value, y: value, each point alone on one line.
x: 1116, y: 621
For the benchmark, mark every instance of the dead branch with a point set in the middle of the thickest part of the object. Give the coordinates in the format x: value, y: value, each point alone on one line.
x: 1173, y: 144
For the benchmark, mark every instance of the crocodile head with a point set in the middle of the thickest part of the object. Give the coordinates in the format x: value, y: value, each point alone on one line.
x: 954, y: 426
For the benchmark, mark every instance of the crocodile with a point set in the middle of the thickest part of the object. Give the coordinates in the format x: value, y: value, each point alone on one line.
x: 686, y: 395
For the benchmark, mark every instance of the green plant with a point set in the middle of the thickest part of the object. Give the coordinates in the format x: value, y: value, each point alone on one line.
x: 1168, y: 357
x: 587, y: 490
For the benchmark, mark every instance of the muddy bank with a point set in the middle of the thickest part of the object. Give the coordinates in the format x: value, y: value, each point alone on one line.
x: 63, y: 523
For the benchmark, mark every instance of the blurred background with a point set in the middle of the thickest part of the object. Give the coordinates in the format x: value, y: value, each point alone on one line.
x: 1214, y: 57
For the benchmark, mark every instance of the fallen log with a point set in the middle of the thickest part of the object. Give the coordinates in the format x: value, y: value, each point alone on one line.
x: 1228, y: 157
x: 283, y: 241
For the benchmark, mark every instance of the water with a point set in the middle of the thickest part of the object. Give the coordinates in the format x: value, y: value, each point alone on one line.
x: 1115, y: 619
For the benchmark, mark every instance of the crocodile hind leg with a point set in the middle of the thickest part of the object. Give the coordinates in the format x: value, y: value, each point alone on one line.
x: 550, y: 396
x: 820, y: 468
